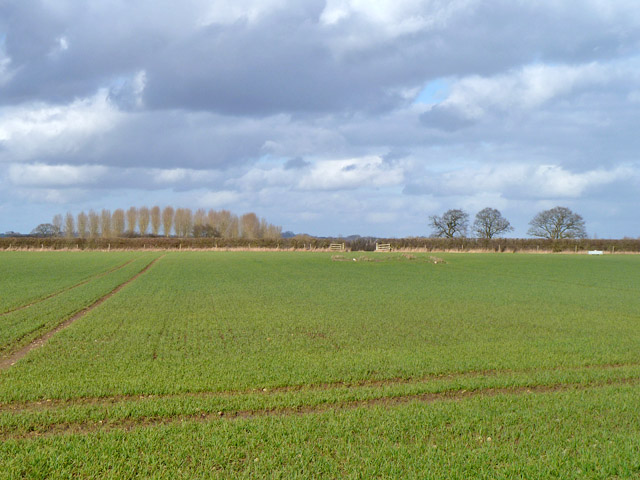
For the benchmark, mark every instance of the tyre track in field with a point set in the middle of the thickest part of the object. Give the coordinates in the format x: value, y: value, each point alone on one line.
x: 60, y: 292
x: 14, y: 357
x: 314, y: 387
x: 88, y: 427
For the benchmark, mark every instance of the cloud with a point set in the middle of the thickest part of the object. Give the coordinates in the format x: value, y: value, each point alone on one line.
x: 350, y: 173
x: 518, y: 181
x: 282, y: 106
x: 32, y: 130
x: 5, y: 65
x: 39, y: 175
x: 526, y: 88
x: 296, y: 164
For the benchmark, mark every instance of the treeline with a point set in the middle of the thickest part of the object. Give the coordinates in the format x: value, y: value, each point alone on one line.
x: 154, y: 222
x: 305, y: 242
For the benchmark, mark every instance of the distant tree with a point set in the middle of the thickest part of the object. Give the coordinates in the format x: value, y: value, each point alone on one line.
x: 156, y: 220
x: 489, y: 222
x: 82, y: 225
x: 183, y: 222
x: 167, y: 220
x: 105, y: 223
x: 557, y: 223
x: 225, y: 222
x: 117, y: 222
x: 69, y: 225
x: 205, y: 231
x: 44, y: 230
x: 250, y: 225
x: 132, y: 220
x: 273, y: 232
x: 57, y: 224
x: 94, y: 224
x: 200, y: 217
x: 453, y: 223
x: 233, y: 228
x: 143, y: 220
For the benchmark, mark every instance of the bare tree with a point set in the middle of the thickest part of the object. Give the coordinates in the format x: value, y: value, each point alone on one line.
x: 69, y: 225
x: 183, y: 222
x: 200, y: 218
x: 250, y: 225
x: 167, y: 220
x: 177, y: 222
x: 57, y: 224
x: 233, y: 228
x: 117, y: 222
x: 224, y: 222
x: 156, y: 220
x: 273, y: 232
x: 94, y: 224
x: 82, y: 225
x: 453, y: 223
x: 105, y: 223
x: 557, y: 223
x: 489, y: 222
x: 132, y: 219
x: 143, y: 220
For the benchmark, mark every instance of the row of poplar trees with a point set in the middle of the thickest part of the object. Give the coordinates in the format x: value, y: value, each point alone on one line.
x: 183, y: 222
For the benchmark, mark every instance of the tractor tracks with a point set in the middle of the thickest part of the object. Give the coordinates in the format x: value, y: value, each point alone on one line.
x: 66, y: 289
x: 17, y: 355
x: 84, y: 427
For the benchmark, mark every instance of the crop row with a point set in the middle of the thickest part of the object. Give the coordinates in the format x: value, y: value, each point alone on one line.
x: 229, y: 321
x: 20, y: 327
x: 26, y: 277
x: 578, y: 434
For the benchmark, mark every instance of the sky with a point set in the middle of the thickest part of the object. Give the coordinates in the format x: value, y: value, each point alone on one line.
x: 329, y: 117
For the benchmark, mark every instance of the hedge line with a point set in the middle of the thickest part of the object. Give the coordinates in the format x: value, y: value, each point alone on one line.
x: 310, y: 243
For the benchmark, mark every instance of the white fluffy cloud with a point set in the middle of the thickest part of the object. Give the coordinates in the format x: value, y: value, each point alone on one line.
x: 36, y: 129
x: 525, y: 88
x: 518, y: 181
x: 41, y: 175
x: 350, y: 174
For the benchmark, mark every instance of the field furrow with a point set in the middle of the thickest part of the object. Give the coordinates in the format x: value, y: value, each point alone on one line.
x: 106, y: 423
x: 58, y: 292
x: 293, y: 365
x: 27, y: 277
x: 573, y: 433
x: 17, y: 355
x: 23, y: 327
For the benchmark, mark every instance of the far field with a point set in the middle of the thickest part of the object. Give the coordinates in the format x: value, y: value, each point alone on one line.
x: 298, y: 364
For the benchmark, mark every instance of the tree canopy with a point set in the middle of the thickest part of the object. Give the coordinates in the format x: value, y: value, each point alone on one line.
x: 557, y: 223
x: 453, y: 223
x: 489, y: 222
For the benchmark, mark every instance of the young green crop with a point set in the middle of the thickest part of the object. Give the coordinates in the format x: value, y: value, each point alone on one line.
x: 216, y: 321
x: 589, y: 434
x: 28, y: 276
x: 20, y: 327
x: 389, y: 366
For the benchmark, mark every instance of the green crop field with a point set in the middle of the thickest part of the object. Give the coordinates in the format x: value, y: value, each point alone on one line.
x: 299, y: 365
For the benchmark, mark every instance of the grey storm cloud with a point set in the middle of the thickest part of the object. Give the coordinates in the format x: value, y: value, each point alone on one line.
x: 258, y: 98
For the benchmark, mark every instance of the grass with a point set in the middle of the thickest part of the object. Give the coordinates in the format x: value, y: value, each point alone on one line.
x: 349, y: 344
